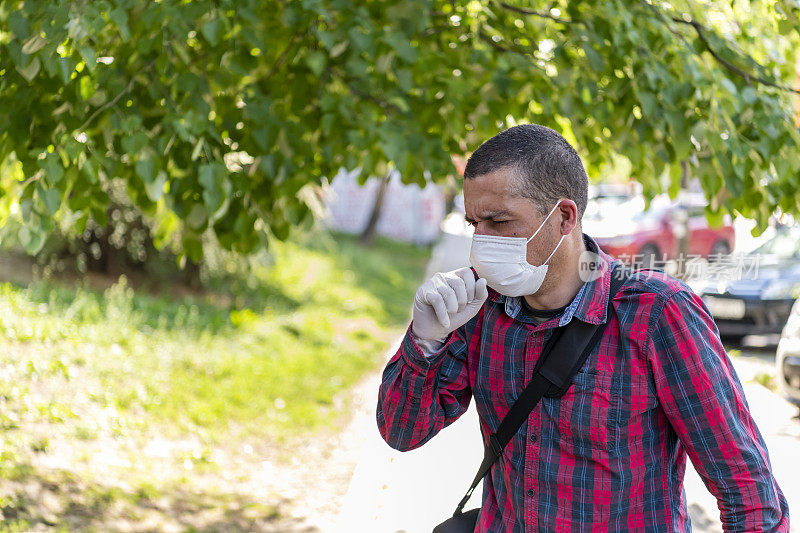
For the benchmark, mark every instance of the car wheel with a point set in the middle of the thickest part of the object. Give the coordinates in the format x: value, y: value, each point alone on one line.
x: 720, y: 249
x: 649, y: 254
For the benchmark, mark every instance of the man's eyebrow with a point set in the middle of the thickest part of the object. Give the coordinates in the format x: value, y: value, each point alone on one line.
x: 489, y: 215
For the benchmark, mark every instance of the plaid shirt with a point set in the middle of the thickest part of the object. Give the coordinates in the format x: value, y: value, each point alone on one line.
x: 609, y: 455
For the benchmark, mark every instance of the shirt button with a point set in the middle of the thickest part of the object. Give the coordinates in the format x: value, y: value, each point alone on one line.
x: 533, y: 437
x: 531, y: 492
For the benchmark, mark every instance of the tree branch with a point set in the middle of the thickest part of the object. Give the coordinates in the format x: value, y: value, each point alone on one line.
x: 700, y: 29
x: 116, y: 98
x: 510, y: 48
x: 733, y: 68
x: 386, y: 106
x: 282, y: 56
x: 525, y: 11
x: 494, y: 44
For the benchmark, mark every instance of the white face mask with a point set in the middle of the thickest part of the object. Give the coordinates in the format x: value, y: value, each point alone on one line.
x: 503, y: 261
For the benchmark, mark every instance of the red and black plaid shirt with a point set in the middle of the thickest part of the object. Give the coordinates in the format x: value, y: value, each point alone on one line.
x: 609, y: 455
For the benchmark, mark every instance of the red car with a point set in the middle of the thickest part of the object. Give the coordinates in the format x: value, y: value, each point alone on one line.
x: 647, y: 237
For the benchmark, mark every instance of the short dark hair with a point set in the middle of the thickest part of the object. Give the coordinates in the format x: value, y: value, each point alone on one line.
x: 547, y: 166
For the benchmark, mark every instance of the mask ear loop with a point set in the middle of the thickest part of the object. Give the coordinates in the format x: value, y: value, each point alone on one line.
x: 543, y: 221
x: 554, y: 250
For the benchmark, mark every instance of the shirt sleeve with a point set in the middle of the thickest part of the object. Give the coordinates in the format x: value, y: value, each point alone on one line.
x: 704, y: 401
x: 419, y: 395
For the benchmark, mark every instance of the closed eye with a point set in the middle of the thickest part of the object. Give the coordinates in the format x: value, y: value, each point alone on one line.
x: 475, y: 224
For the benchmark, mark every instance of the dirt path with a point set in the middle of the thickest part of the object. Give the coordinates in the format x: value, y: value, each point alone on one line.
x: 317, y: 475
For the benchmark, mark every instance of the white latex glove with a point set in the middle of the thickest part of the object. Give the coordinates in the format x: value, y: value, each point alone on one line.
x: 443, y: 304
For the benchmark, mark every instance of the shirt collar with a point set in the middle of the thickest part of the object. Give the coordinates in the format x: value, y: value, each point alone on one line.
x: 589, y: 305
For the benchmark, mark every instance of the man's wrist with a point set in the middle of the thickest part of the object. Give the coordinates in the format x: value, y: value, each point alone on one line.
x: 428, y: 346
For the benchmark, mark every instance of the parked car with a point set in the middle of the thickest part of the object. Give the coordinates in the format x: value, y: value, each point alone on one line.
x: 761, y: 300
x: 645, y: 236
x: 787, y: 358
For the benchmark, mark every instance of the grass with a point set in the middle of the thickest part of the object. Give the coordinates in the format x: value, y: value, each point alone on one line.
x: 766, y: 380
x: 327, y: 311
x: 267, y: 353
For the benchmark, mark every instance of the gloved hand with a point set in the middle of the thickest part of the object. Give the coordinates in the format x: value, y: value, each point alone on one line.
x: 444, y: 303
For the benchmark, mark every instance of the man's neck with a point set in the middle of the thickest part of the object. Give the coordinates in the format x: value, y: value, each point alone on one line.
x: 564, y: 289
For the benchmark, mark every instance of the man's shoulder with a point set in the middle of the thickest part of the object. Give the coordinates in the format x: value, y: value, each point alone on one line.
x: 655, y: 282
x: 655, y: 294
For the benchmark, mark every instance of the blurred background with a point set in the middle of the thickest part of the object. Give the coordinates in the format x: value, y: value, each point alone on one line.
x: 214, y: 216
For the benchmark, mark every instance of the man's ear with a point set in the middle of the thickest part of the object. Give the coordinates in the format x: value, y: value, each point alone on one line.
x: 572, y: 220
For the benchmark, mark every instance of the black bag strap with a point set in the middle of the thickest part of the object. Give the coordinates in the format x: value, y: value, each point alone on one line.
x: 552, y: 376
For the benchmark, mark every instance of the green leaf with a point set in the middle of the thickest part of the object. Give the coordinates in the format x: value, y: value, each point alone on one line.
x: 207, y: 176
x: 400, y: 44
x: 89, y: 56
x: 97, y: 99
x: 34, y: 44
x: 362, y: 39
x: 297, y: 212
x: 714, y: 218
x: 66, y: 68
x: 338, y: 49
x: 197, y: 217
x: 80, y: 223
x: 316, y: 61
x: 52, y: 168
x: 86, y: 87
x: 99, y: 215
x: 133, y: 143
x: 405, y: 79
x: 749, y: 95
x: 728, y: 84
x: 280, y: 229
x: 18, y: 24
x: 78, y: 201
x: 146, y: 168
x: 595, y: 60
x: 32, y: 239
x: 211, y: 31
x: 648, y: 101
x: 119, y: 17
x: 31, y: 70
x: 193, y: 246
x: 155, y: 188
x: 216, y: 189
x: 675, y: 174
x: 51, y: 198
x: 327, y: 38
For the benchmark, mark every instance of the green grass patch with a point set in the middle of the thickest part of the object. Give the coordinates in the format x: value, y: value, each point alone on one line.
x: 766, y: 380
x: 266, y: 350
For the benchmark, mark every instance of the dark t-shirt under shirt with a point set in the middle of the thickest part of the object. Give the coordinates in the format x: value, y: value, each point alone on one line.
x: 540, y: 315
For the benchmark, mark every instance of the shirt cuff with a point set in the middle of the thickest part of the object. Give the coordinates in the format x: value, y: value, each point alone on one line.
x: 416, y: 352
x: 427, y: 347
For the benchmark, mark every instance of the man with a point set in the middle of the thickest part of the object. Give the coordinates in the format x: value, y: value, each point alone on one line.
x: 609, y: 455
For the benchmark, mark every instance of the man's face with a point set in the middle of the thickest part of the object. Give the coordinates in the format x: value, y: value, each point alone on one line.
x: 492, y: 210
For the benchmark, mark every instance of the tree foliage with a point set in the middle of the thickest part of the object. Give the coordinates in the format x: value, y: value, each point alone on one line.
x: 215, y: 114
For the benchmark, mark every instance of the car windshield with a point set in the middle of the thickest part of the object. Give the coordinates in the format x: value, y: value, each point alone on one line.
x: 785, y: 244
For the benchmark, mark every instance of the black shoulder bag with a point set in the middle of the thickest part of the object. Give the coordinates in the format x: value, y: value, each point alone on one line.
x: 562, y: 356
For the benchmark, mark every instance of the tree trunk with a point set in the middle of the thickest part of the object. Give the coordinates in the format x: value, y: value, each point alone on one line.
x: 368, y: 235
x: 191, y: 275
x: 682, y: 224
